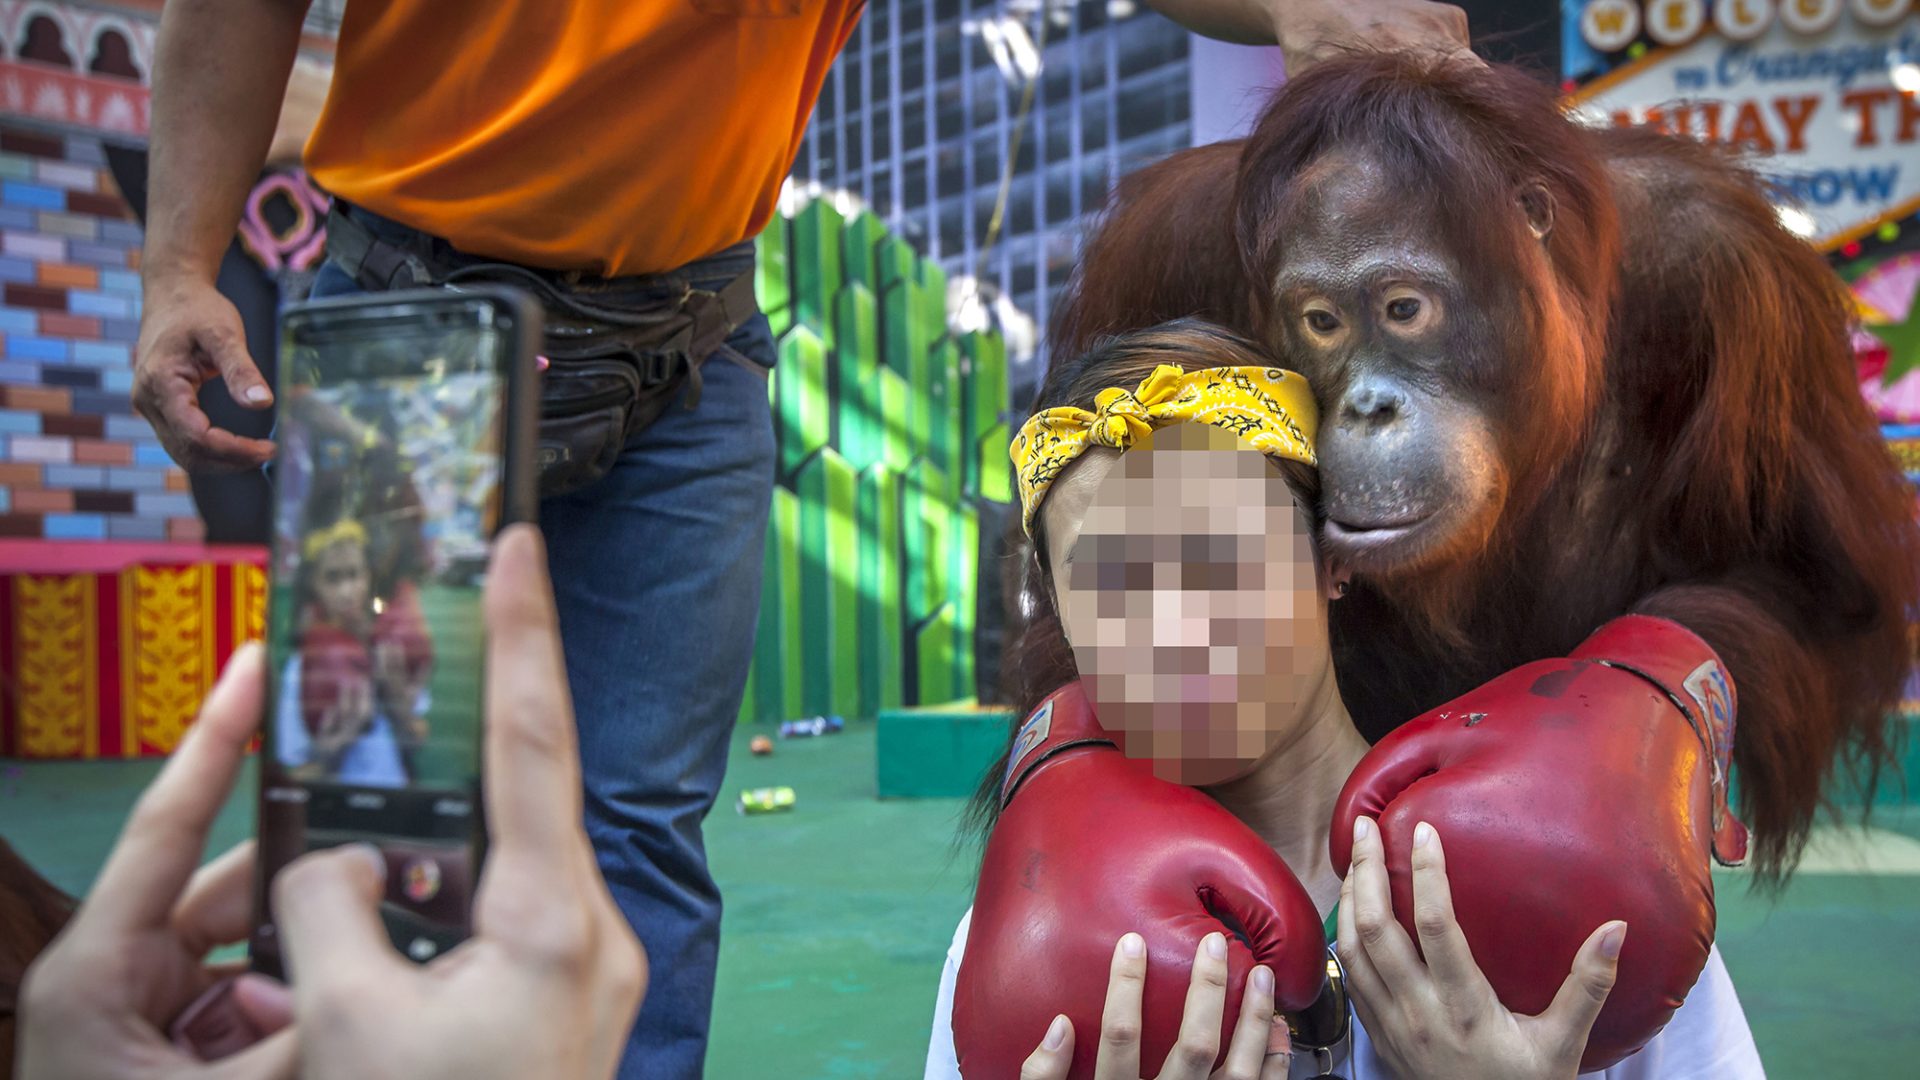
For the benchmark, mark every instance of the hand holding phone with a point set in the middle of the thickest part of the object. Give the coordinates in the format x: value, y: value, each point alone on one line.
x: 406, y: 440
x: 105, y: 998
x: 549, y: 987
x: 552, y: 979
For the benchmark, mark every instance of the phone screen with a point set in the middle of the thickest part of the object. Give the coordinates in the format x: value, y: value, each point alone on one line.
x: 388, y: 488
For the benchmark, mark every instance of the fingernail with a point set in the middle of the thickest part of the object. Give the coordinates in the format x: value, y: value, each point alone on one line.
x: 1361, y: 827
x: 1263, y: 980
x: 372, y: 857
x: 1056, y: 1033
x: 1611, y: 941
x: 258, y: 394
x: 264, y: 995
x: 1133, y: 946
x: 1422, y: 833
x: 1216, y: 946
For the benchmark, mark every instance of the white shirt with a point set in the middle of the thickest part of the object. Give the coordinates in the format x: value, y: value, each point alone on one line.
x: 1707, y: 1039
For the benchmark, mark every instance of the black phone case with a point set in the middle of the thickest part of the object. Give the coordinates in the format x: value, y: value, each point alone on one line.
x: 519, y: 480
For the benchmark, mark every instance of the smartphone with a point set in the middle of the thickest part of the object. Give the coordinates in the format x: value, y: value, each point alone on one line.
x: 406, y: 431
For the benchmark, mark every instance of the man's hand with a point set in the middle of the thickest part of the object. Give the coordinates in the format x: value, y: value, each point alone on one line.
x: 189, y: 333
x: 1310, y: 31
x: 98, y: 1002
x: 552, y: 978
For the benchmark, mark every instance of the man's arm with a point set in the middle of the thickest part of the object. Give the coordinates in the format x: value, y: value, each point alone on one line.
x: 1242, y: 22
x: 1309, y: 31
x: 220, y: 73
x: 219, y: 76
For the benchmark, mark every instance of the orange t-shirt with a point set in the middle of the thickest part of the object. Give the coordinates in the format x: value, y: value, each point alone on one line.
x: 611, y: 136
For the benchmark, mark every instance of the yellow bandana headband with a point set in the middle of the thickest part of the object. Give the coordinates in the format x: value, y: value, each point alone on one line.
x: 1270, y: 408
x: 319, y: 540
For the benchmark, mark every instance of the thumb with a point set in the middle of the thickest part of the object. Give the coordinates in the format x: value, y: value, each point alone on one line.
x: 227, y: 346
x: 327, y: 908
x: 266, y: 1003
x: 276, y: 1057
x: 1570, y: 1018
x: 1054, y: 1056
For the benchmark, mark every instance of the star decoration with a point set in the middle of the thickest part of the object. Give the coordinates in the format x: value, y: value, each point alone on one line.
x: 1902, y: 340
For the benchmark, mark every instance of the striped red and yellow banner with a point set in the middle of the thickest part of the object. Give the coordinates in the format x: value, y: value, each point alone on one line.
x: 114, y: 665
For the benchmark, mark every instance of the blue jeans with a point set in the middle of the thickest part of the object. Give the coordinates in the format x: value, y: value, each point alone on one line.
x: 656, y: 569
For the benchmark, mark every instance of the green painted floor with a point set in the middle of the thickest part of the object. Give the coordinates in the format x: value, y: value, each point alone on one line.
x: 838, y: 915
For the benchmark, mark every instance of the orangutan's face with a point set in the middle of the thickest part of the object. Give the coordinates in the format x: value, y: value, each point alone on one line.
x: 1393, y: 335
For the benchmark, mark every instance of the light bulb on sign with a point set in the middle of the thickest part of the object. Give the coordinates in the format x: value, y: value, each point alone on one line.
x: 1810, y: 16
x: 1743, y: 20
x: 1907, y: 78
x: 1610, y: 25
x: 1881, y: 12
x: 1675, y: 22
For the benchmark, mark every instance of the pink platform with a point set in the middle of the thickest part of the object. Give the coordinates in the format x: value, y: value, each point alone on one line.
x: 110, y: 556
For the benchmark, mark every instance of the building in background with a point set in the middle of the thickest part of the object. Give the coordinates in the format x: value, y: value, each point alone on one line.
x: 920, y: 115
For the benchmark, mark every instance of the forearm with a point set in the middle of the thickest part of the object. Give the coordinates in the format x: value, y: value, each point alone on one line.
x: 220, y: 74
x: 1242, y: 22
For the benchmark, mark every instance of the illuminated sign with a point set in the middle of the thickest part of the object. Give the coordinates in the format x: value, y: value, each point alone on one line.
x: 1824, y: 94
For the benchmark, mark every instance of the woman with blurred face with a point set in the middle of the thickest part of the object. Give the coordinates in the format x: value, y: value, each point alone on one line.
x: 1177, y: 576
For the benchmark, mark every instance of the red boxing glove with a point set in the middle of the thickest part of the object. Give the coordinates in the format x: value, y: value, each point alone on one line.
x: 1089, y: 846
x: 1568, y: 793
x: 402, y: 623
x: 331, y: 660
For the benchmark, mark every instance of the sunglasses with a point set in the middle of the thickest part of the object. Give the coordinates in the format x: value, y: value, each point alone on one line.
x: 1325, y: 1028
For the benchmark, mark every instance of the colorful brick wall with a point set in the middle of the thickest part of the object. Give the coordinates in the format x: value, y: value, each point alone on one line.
x: 76, y: 463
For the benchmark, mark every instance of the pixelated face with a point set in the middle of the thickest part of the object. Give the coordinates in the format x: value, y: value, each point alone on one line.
x: 340, y: 579
x: 1187, y: 580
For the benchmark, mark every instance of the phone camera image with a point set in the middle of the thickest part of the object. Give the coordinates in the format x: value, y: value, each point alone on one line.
x: 388, y: 489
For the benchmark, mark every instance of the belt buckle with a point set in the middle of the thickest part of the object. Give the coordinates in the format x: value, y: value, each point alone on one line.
x: 657, y: 367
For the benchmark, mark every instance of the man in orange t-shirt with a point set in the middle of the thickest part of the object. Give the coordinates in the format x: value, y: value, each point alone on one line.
x: 617, y: 158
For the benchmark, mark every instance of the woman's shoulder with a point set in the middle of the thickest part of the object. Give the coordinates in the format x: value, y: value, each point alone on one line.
x: 942, y: 1062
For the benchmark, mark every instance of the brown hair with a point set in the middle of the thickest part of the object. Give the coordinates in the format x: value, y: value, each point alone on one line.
x: 32, y: 911
x: 1038, y: 660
